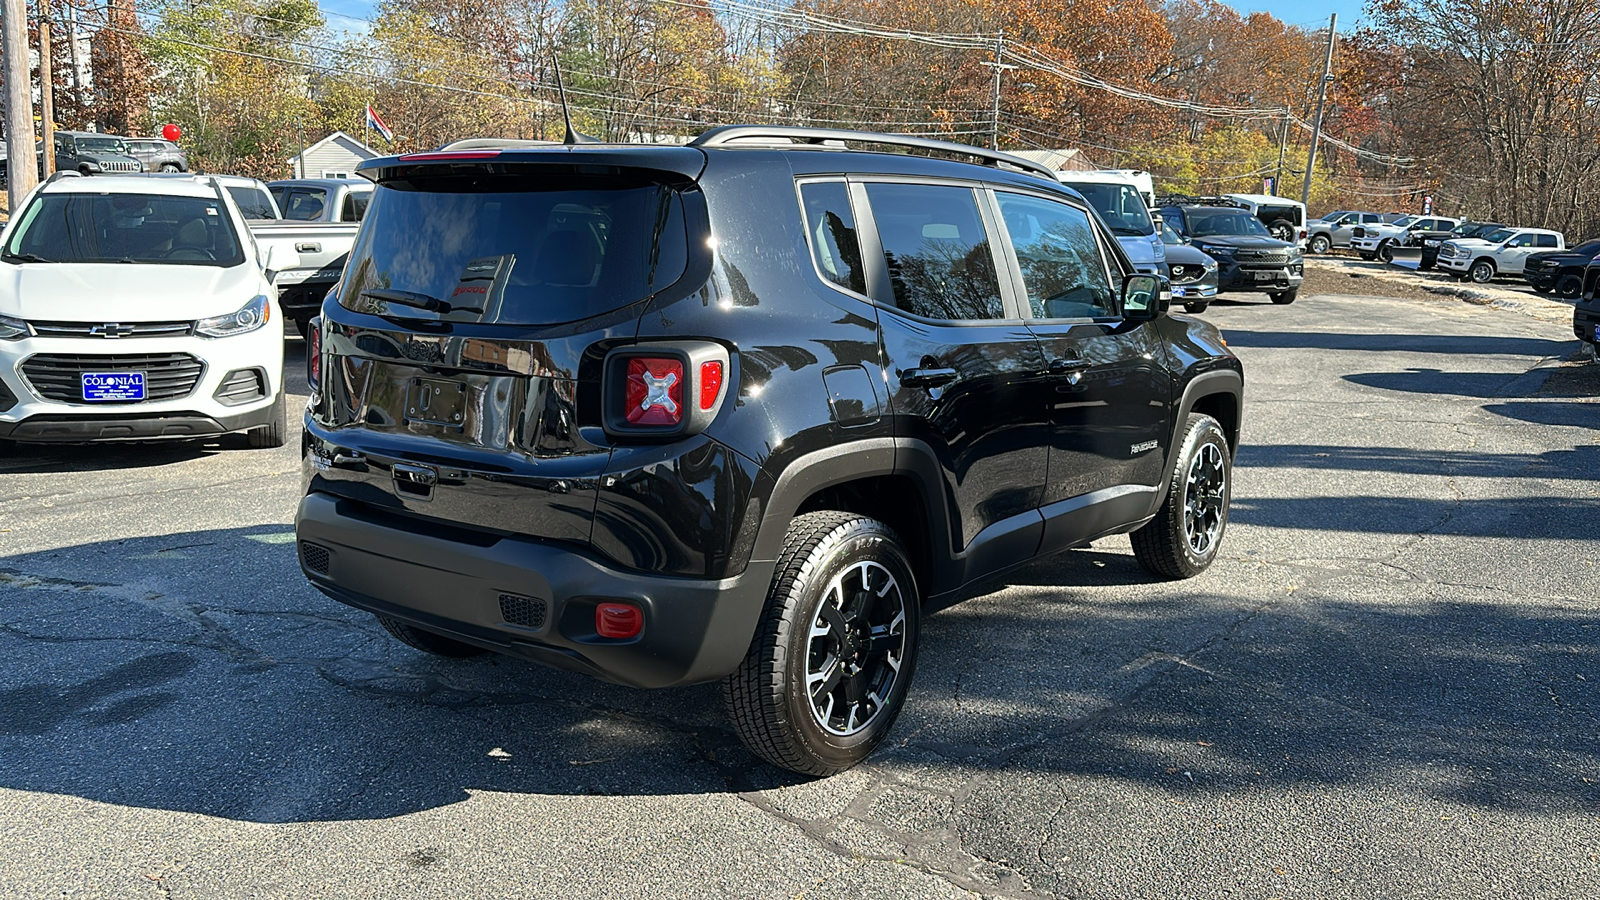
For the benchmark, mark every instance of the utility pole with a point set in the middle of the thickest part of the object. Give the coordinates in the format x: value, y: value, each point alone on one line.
x: 1283, y: 144
x: 999, y: 70
x: 47, y: 84
x: 1322, y: 98
x: 22, y: 164
x: 72, y: 49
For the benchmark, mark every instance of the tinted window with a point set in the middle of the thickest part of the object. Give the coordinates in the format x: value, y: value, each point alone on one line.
x: 253, y: 202
x: 102, y: 145
x: 303, y: 204
x: 1405, y: 221
x: 1544, y: 240
x: 526, y: 250
x: 1060, y: 260
x: 355, y: 206
x: 1274, y: 213
x: 1120, y: 206
x: 940, y: 261
x: 831, y: 232
x: 126, y: 228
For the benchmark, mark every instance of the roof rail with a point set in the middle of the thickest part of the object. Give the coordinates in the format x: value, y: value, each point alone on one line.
x: 732, y: 135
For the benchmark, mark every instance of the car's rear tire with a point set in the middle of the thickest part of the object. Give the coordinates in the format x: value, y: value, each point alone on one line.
x: 840, y: 624
x: 1285, y: 297
x: 170, y: 167
x: 428, y: 641
x: 276, y: 432
x: 1195, y: 307
x: 1540, y: 287
x: 1182, y: 540
x: 1569, y: 286
x: 1320, y: 243
x: 1482, y: 272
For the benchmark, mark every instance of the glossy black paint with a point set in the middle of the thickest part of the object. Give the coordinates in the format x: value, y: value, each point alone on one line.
x: 829, y: 404
x: 1543, y: 270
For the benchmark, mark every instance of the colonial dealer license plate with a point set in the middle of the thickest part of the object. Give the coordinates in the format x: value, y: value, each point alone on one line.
x: 100, y: 386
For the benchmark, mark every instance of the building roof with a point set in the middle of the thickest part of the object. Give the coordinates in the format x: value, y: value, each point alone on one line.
x: 351, y: 144
x: 1069, y: 159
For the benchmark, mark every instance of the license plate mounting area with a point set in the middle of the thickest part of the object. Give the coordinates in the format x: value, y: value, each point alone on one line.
x: 436, y: 401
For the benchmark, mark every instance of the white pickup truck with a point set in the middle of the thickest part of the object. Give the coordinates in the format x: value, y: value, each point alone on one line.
x: 320, y: 220
x: 1378, y: 241
x: 1502, y: 252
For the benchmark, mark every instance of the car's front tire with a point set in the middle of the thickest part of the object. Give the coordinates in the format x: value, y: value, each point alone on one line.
x: 1285, y: 297
x: 170, y: 167
x: 276, y: 432
x: 1182, y: 540
x: 832, y: 658
x: 1482, y: 272
x: 1386, y: 252
x: 1195, y: 307
x: 1569, y: 286
x: 1320, y: 243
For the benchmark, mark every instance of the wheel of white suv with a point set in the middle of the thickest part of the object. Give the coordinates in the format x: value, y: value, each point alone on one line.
x: 1320, y: 243
x: 1285, y: 297
x: 428, y: 641
x: 1482, y: 272
x: 1195, y: 307
x: 276, y: 432
x: 1182, y: 540
x: 833, y: 655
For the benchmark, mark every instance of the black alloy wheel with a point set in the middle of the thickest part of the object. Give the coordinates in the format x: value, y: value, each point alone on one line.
x: 1569, y: 286
x: 1386, y: 252
x: 1183, y: 539
x: 832, y: 659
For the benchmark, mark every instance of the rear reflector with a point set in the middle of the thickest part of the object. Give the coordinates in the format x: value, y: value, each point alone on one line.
x: 655, y: 391
x: 710, y: 383
x: 314, y: 355
x: 618, y: 620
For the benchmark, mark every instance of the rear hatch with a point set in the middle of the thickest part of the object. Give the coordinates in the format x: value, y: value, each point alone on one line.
x: 461, y: 369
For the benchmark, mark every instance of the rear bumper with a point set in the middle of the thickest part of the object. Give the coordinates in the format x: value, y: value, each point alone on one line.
x: 452, y: 581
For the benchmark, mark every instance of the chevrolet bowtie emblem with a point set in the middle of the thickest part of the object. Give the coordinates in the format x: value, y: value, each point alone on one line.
x: 111, y: 330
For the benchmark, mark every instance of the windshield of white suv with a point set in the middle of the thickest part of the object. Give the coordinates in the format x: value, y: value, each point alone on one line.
x: 102, y: 145
x: 515, y: 249
x: 125, y: 228
x: 1226, y: 223
x: 1495, y: 237
x: 1119, y: 205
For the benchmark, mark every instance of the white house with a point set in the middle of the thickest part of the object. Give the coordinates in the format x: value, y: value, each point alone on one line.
x: 335, y: 156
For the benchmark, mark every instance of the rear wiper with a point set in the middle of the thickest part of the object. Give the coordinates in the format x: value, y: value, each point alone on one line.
x: 27, y: 257
x: 417, y: 301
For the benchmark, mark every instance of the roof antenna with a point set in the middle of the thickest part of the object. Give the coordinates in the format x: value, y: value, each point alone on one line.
x: 572, y: 137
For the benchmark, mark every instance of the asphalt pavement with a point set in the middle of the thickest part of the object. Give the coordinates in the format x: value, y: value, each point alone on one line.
x: 1387, y: 687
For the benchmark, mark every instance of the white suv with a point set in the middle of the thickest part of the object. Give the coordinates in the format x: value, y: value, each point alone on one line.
x: 137, y: 308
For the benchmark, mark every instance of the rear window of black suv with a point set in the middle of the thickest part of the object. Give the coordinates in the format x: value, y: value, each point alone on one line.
x: 514, y: 249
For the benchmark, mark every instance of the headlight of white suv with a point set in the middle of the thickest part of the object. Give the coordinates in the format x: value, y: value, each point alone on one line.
x: 251, y: 316
x: 12, y: 329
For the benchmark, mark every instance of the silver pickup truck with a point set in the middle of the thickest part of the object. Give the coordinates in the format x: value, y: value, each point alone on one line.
x: 320, y: 219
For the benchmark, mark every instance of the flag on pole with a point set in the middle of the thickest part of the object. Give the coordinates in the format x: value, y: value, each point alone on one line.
x: 376, y: 124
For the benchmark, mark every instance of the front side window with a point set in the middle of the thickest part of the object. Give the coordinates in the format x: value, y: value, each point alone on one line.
x: 831, y: 232
x: 304, y: 204
x: 515, y: 249
x: 125, y: 228
x: 941, y: 265
x: 1062, y: 267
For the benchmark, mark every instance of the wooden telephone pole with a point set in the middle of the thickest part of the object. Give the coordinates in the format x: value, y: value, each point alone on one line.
x: 21, y: 163
x: 1322, y: 98
x: 47, y: 84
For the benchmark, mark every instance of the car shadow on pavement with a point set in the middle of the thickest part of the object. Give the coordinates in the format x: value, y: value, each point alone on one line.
x: 1579, y: 462
x: 220, y: 684
x: 1451, y: 344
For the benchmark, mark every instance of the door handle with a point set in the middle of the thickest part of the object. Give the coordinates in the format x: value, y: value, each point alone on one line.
x: 927, y: 378
x: 308, y: 247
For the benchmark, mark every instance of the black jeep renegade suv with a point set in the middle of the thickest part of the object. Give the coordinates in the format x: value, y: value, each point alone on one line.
x: 742, y: 410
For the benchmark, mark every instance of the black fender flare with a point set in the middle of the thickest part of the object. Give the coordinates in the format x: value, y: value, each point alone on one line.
x: 1206, y: 384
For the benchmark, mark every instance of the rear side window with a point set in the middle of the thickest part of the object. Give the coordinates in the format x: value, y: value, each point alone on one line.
x: 355, y: 206
x: 1544, y: 240
x: 940, y: 262
x: 831, y: 232
x: 253, y: 202
x: 515, y: 249
x: 1270, y: 214
x: 304, y: 204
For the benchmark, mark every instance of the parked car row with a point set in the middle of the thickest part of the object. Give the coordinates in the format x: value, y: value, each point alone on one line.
x: 93, y: 153
x: 1238, y: 251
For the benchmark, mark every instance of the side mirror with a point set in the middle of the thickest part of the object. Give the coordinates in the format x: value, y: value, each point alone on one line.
x: 1142, y: 297
x: 1155, y: 217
